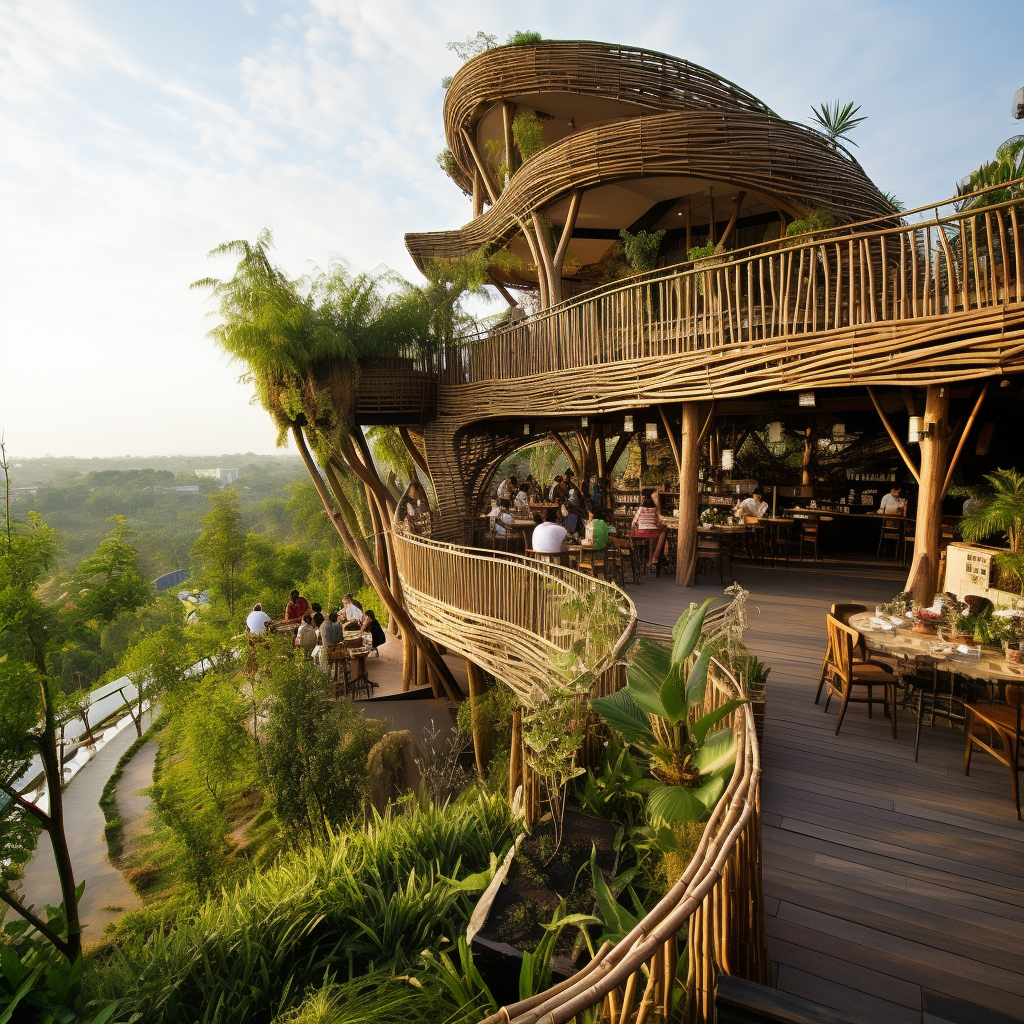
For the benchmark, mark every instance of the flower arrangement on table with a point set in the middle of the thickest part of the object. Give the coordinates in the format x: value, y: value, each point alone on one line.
x: 711, y: 517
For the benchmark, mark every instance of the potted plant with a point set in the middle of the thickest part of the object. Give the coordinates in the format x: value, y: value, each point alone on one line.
x: 1002, y: 512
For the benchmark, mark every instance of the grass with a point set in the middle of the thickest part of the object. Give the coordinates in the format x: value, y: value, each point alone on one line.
x: 372, y: 897
x: 113, y: 830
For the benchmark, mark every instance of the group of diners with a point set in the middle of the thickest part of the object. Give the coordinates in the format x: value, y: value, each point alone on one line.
x: 573, y: 514
x: 313, y: 629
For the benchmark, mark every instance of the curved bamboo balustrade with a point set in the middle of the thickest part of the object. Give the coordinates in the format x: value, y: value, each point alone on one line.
x: 942, y: 299
x: 528, y: 623
x: 648, y: 81
x: 787, y: 163
x: 520, y: 619
x: 717, y: 901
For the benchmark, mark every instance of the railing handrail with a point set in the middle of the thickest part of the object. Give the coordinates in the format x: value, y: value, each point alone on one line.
x: 732, y: 257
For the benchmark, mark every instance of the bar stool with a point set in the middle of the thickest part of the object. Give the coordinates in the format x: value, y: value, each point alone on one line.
x: 709, y: 555
x: 809, y: 535
x: 892, y: 530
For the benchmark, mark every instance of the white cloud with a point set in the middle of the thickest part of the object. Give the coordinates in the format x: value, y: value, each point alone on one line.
x: 129, y: 154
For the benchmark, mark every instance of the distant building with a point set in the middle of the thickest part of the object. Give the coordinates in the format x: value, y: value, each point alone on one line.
x: 180, y: 489
x: 225, y: 476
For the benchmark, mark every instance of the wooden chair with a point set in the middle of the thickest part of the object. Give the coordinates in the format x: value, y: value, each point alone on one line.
x: 593, y: 561
x: 892, y: 530
x: 709, y: 555
x: 843, y: 674
x: 809, y: 536
x: 1003, y: 722
x: 909, y: 538
x: 842, y: 612
x: 624, y: 555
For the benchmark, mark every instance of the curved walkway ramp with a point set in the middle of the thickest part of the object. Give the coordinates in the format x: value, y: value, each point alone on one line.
x: 533, y: 626
x: 530, y: 624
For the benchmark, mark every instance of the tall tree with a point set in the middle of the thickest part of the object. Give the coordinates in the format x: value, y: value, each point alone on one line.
x: 301, y: 341
x: 31, y: 705
x: 220, y: 549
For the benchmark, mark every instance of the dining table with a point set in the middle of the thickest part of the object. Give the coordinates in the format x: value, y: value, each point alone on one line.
x: 919, y: 656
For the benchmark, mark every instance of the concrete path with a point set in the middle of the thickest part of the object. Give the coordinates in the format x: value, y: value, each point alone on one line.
x: 105, y: 886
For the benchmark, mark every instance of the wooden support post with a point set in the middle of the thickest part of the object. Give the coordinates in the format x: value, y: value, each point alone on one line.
x: 515, y: 758
x: 478, y: 193
x: 689, y: 461
x: 924, y: 572
x: 481, y: 737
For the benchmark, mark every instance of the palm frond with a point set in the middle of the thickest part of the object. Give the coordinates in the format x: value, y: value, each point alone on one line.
x: 837, y: 120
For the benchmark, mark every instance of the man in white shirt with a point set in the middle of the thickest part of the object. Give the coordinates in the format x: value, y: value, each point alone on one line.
x: 754, y: 505
x: 891, y: 504
x: 256, y: 621
x: 548, y: 536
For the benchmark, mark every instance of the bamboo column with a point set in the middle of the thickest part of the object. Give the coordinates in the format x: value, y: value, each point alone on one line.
x: 689, y: 462
x: 481, y: 739
x: 924, y: 571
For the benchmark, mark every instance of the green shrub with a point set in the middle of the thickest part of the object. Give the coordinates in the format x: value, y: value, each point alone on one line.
x: 528, y: 131
x: 315, y: 751
x: 379, y: 894
x: 817, y: 220
x: 522, y: 38
x: 641, y: 249
x: 113, y: 830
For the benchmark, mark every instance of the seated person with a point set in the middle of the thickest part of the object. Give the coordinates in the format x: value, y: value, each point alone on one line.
x: 330, y: 631
x: 522, y: 502
x: 548, y: 536
x: 595, y: 495
x: 353, y: 612
x: 297, y: 607
x: 502, y: 520
x: 753, y: 506
x: 555, y: 489
x: 596, y: 535
x: 892, y: 504
x: 533, y: 488
x: 647, y: 524
x: 306, y: 636
x: 257, y: 620
x: 370, y: 625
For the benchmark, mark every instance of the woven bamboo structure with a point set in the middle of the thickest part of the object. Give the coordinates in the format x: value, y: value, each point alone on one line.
x: 939, y: 301
x: 515, y: 617
x: 523, y: 621
x: 639, y: 81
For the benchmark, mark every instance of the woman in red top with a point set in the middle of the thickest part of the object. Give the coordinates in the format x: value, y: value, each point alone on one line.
x: 647, y: 524
x: 296, y: 608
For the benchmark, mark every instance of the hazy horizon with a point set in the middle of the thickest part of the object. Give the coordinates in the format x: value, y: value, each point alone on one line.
x: 139, y: 137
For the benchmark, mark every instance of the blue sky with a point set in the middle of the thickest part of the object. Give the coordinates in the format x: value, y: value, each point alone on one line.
x: 136, y: 136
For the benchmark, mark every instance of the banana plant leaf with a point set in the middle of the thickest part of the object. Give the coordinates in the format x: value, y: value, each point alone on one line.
x: 623, y: 714
x: 700, y: 728
x: 718, y: 751
x: 686, y: 632
x: 649, y: 665
x: 697, y: 680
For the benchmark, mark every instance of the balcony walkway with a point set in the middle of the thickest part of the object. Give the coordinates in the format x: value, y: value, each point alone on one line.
x: 894, y: 891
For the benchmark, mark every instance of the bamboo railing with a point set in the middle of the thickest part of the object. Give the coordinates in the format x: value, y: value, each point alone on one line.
x: 717, y: 904
x: 526, y: 622
x: 520, y: 619
x: 853, y: 291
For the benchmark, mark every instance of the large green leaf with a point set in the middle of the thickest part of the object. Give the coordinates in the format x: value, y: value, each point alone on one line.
x: 622, y: 713
x: 703, y: 726
x: 717, y: 752
x: 709, y: 793
x: 673, y: 804
x: 697, y: 680
x: 673, y: 696
x: 686, y: 632
x: 618, y: 921
x: 649, y: 665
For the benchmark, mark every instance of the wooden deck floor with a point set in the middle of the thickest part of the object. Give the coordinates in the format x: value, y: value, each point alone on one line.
x: 894, y: 889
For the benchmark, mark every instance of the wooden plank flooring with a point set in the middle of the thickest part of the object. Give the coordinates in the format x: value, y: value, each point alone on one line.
x: 894, y: 890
